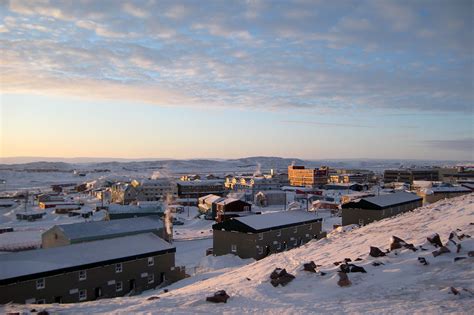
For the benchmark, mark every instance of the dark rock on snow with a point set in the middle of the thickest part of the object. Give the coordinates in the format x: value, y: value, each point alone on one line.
x: 280, y: 276
x: 311, y: 266
x: 435, y: 240
x: 376, y: 252
x: 377, y: 263
x: 219, y: 297
x: 459, y: 258
x: 423, y: 261
x: 399, y: 243
x: 152, y: 298
x: 343, y: 279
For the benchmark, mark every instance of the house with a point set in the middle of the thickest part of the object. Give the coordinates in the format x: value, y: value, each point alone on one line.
x: 54, y: 204
x: 231, y: 207
x: 199, y: 188
x: 30, y: 216
x: 67, y: 234
x: 144, y: 190
x: 301, y: 176
x: 270, y: 198
x: 208, y: 204
x: 370, y: 209
x: 257, y: 236
x: 88, y: 271
x: 64, y: 209
x: 435, y: 193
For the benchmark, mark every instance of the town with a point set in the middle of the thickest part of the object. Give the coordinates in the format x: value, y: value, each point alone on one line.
x: 142, y: 232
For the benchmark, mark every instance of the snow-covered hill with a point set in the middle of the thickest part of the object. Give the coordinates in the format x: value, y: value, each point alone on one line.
x: 400, y: 284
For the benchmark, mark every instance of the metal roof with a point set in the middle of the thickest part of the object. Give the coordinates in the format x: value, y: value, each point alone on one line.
x: 105, y: 229
x: 65, y: 258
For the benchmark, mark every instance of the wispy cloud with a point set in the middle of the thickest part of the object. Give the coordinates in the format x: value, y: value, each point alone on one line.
x: 319, y: 56
x: 343, y: 125
x: 464, y: 145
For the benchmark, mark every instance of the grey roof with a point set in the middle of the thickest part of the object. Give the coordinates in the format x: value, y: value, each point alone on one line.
x: 46, y: 260
x: 276, y: 219
x: 104, y: 229
x: 392, y: 199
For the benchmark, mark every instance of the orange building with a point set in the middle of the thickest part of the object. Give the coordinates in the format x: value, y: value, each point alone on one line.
x: 300, y: 176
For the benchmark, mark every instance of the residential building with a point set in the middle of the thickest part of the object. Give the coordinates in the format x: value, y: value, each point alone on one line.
x: 231, y: 207
x: 410, y: 175
x: 140, y: 209
x: 366, y: 210
x: 258, y: 236
x: 435, y: 193
x: 87, y: 271
x: 301, y: 176
x: 67, y: 234
x: 208, y: 204
x: 199, y: 188
x: 270, y: 198
x: 144, y: 190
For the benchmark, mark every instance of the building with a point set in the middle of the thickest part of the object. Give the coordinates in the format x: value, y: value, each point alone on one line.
x: 350, y: 178
x: 410, y: 175
x: 67, y: 234
x: 145, y: 190
x: 54, y: 204
x: 258, y: 236
x: 346, y: 186
x: 436, y: 193
x: 199, y: 188
x: 370, y: 209
x: 141, y: 209
x: 87, y: 271
x: 456, y: 175
x: 301, y: 176
x: 208, y: 205
x: 270, y: 198
x: 231, y: 207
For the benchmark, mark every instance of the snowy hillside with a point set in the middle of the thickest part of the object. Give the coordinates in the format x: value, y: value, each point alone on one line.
x: 399, y: 284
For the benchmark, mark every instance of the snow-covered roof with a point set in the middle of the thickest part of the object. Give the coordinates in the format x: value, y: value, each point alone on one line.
x: 276, y: 219
x: 97, y: 229
x: 46, y: 260
x: 392, y: 199
x: 446, y: 189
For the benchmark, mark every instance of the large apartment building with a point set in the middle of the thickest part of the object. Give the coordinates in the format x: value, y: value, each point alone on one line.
x: 301, y: 176
x: 409, y: 175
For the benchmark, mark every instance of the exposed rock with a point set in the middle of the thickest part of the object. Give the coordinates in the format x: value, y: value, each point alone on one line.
x: 358, y: 259
x: 343, y: 279
x: 377, y: 263
x: 219, y: 297
x: 322, y: 273
x: 311, y: 266
x: 435, y: 240
x: 43, y: 312
x: 376, y: 252
x: 459, y: 258
x: 454, y: 291
x: 347, y: 260
x: 152, y: 298
x: 441, y: 251
x: 471, y: 253
x: 346, y: 268
x: 280, y: 276
x: 399, y: 243
x: 423, y: 261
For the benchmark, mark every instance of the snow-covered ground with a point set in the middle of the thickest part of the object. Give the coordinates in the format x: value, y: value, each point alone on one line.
x: 401, y: 285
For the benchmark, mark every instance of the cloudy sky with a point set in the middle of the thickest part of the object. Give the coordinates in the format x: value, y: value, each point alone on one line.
x: 308, y: 79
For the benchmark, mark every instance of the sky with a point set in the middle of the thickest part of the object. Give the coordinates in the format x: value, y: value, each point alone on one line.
x: 229, y: 79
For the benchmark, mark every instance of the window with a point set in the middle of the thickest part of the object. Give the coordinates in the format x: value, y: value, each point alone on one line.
x: 310, y: 227
x: 233, y: 248
x: 82, y: 275
x: 151, y: 278
x: 118, y: 286
x: 361, y: 222
x: 295, y: 230
x: 260, y: 236
x: 82, y: 294
x: 279, y: 233
x: 40, y: 284
x: 151, y: 261
x: 260, y: 250
x: 118, y: 268
x: 278, y: 246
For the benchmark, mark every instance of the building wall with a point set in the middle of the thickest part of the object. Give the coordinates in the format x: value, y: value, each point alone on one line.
x: 54, y: 237
x: 366, y: 216
x: 67, y: 285
x: 260, y: 245
x: 440, y: 195
x: 299, y: 176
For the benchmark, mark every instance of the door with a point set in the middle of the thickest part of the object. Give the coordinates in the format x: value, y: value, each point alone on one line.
x: 97, y: 293
x: 131, y: 284
x: 162, y: 277
x: 58, y: 299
